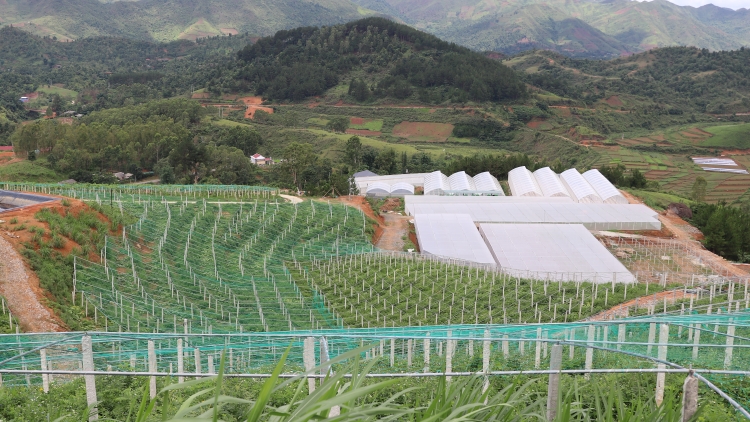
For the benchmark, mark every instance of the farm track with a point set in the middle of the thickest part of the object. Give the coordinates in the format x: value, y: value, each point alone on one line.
x: 20, y: 287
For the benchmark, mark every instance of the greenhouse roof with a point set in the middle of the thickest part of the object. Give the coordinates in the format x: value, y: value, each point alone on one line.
x: 452, y: 236
x: 498, y: 210
x: 564, y: 249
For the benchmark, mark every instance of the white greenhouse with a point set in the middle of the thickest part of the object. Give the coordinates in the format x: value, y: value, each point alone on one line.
x: 378, y: 189
x: 461, y: 182
x: 402, y: 189
x: 451, y: 236
x: 580, y: 190
x: 523, y: 183
x: 550, y: 183
x: 486, y: 182
x: 436, y: 183
x: 604, y: 188
x: 565, y: 252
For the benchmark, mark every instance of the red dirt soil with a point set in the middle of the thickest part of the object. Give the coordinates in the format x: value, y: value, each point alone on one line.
x: 31, y: 321
x: 435, y: 132
x: 357, y: 121
x: 254, y: 104
x: 614, y: 101
x: 363, y: 132
x: 201, y: 96
x: 623, y: 309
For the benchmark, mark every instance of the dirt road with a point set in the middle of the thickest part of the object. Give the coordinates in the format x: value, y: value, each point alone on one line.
x: 395, y: 229
x: 20, y: 287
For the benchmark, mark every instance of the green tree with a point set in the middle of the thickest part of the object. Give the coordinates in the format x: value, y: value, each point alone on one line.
x: 338, y: 124
x: 386, y: 161
x: 354, y: 152
x: 698, y: 193
x: 297, y: 158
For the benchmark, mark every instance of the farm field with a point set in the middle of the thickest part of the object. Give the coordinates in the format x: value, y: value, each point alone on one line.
x: 423, y: 132
x: 732, y: 136
x: 221, y: 266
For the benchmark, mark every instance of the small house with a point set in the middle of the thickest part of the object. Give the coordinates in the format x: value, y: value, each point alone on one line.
x: 260, y: 160
x: 24, y: 99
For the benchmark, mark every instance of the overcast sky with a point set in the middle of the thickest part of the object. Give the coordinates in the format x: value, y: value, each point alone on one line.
x: 732, y: 4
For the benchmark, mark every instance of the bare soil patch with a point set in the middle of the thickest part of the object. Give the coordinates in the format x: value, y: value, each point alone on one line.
x: 421, y: 131
x: 363, y: 132
x: 614, y: 101
x: 357, y: 121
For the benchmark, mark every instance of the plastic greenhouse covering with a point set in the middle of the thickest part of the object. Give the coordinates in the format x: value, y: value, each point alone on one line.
x: 378, y: 189
x: 550, y: 183
x: 401, y: 188
x: 532, y: 250
x: 488, y: 183
x: 414, y: 179
x: 592, y: 216
x: 410, y: 201
x: 436, y: 183
x: 523, y: 183
x: 604, y: 188
x: 461, y: 181
x: 452, y: 236
x: 579, y: 188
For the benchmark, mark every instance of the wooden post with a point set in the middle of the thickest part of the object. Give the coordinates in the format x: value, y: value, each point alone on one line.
x: 90, y: 380
x: 152, y: 369
x: 553, y: 388
x: 506, y: 348
x: 689, y: 397
x: 730, y: 344
x: 662, y: 355
x: 180, y: 361
x: 210, y: 368
x: 45, y: 377
x: 589, y: 351
x: 426, y: 355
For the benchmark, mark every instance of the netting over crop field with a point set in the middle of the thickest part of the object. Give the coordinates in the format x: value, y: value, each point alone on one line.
x: 219, y: 266
x: 715, y: 346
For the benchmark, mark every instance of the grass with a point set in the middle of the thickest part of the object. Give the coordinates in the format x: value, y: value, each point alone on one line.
x: 734, y: 136
x: 29, y: 171
x: 658, y: 200
x: 56, y: 90
x: 373, y: 125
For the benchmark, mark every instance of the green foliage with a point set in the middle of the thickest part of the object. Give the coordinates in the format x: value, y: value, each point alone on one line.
x: 304, y: 62
x: 616, y: 175
x: 338, y: 124
x: 698, y: 192
x: 726, y: 230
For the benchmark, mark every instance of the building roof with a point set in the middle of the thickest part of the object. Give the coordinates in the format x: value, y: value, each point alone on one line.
x: 364, y: 173
x: 258, y: 156
x: 451, y: 236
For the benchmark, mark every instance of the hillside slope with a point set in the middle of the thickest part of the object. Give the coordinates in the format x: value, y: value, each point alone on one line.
x: 584, y: 28
x: 166, y: 20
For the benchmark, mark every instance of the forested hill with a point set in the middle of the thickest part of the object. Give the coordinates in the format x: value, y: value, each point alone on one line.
x: 104, y: 72
x: 168, y: 20
x: 381, y: 59
x: 676, y: 79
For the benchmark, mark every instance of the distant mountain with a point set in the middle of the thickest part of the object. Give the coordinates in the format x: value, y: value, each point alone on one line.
x: 166, y: 20
x: 579, y: 28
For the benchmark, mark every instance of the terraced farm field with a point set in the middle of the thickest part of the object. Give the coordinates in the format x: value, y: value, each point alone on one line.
x: 220, y: 266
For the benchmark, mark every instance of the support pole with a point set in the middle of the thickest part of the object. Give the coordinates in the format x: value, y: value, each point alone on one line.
x: 90, y: 380
x: 197, y: 362
x: 538, y: 355
x: 152, y: 369
x: 553, y: 388
x: 730, y: 344
x: 180, y: 361
x: 689, y: 398
x: 45, y: 377
x: 662, y: 355
x: 308, y: 356
x: 486, y: 347
x: 590, y: 351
